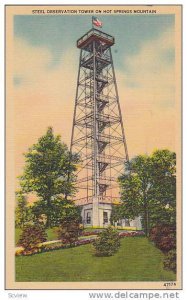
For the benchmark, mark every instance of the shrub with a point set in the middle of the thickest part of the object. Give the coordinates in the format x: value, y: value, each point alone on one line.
x: 31, y: 237
x: 164, y: 237
x: 107, y: 243
x: 69, y: 230
x: 167, y: 243
x: 170, y: 261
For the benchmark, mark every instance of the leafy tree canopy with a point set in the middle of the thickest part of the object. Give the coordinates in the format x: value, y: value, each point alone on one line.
x: 148, y: 188
x: 23, y: 212
x: 50, y: 173
x: 48, y: 167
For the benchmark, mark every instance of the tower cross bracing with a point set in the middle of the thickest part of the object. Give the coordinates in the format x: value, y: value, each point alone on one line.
x: 97, y: 133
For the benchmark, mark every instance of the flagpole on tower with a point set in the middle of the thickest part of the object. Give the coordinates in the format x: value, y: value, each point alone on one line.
x: 96, y: 22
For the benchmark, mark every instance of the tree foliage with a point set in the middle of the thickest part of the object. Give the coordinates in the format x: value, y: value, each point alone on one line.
x: 163, y: 178
x: 148, y: 189
x: 117, y: 214
x: 60, y: 207
x: 23, y: 212
x: 49, y: 172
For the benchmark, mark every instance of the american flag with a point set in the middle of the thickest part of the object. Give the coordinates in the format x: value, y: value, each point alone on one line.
x: 96, y: 22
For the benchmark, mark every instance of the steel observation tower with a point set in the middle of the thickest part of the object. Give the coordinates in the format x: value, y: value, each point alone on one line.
x: 97, y: 133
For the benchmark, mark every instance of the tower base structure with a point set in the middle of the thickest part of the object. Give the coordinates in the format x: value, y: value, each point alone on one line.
x: 99, y: 217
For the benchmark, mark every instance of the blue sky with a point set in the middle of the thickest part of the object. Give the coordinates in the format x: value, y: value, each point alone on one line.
x: 59, y: 33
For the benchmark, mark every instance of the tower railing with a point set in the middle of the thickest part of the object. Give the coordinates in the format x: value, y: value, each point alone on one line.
x: 96, y: 33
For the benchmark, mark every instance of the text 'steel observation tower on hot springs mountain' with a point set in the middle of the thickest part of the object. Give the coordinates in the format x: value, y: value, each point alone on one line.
x: 97, y: 133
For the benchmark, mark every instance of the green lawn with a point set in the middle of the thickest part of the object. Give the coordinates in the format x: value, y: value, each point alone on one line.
x: 137, y: 260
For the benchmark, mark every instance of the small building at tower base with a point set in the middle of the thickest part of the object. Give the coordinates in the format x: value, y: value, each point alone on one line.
x: 104, y: 215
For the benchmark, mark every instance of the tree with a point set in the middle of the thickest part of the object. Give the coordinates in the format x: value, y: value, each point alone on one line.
x: 164, y: 182
x: 59, y: 209
x: 23, y: 211
x: 148, y: 188
x: 117, y: 214
x: 136, y: 189
x: 49, y: 172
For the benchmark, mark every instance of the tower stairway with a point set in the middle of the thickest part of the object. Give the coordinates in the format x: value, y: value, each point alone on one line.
x: 98, y: 134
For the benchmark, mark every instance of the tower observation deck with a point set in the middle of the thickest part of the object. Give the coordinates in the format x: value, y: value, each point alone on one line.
x: 97, y: 133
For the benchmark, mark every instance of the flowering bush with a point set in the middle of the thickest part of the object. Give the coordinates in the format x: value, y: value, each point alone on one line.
x: 31, y: 238
x: 19, y: 252
x: 121, y: 234
x: 84, y: 242
x: 170, y: 261
x: 88, y: 233
x: 54, y: 246
x: 164, y: 237
x: 131, y: 234
x: 51, y: 247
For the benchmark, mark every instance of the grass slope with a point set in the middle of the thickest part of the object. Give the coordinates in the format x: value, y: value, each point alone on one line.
x: 137, y: 260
